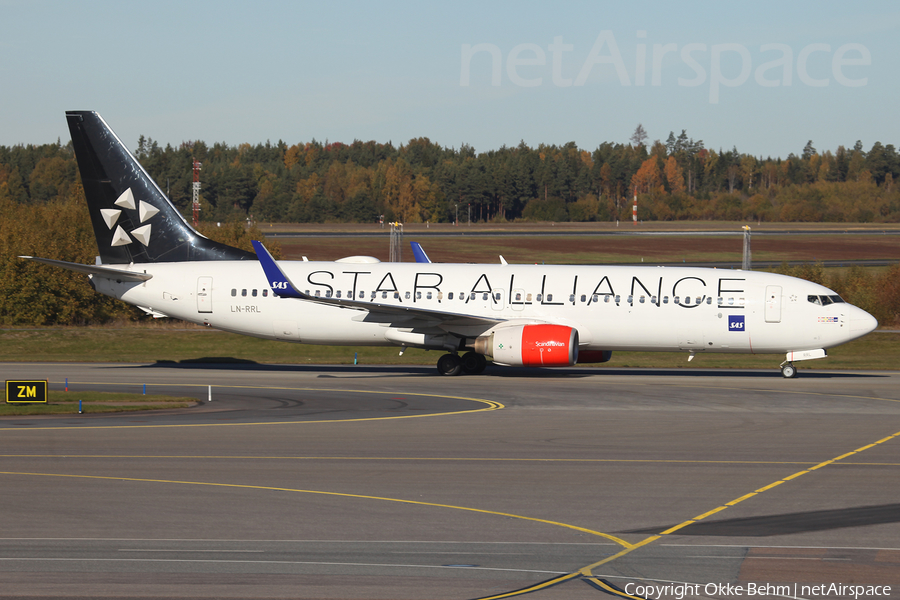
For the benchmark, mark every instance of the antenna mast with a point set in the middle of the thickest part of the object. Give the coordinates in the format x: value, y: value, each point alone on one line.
x: 196, y: 193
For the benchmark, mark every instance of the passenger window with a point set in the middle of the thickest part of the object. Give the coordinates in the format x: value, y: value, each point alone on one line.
x: 265, y: 293
x: 730, y: 301
x: 538, y: 297
x: 243, y: 292
x: 642, y: 299
x: 396, y: 295
x: 709, y: 300
x: 518, y: 296
x: 699, y: 300
x: 618, y: 299
x: 652, y: 299
x: 605, y: 298
x: 362, y: 295
x: 233, y: 292
x: 675, y: 300
x: 440, y: 296
x: 428, y: 296
x: 253, y: 293
x: 338, y: 294
x: 373, y: 295
x: 318, y: 293
x: 408, y: 295
x: 583, y: 298
x: 740, y: 301
x: 665, y: 299
x: 630, y: 299
x: 328, y: 294
x: 384, y: 295
x: 472, y: 296
x: 549, y: 297
x: 527, y: 297
x: 450, y: 296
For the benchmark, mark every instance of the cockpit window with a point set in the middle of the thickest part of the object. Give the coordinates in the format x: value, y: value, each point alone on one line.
x: 825, y: 300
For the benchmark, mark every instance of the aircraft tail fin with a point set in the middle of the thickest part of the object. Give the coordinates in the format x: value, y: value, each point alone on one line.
x: 133, y: 220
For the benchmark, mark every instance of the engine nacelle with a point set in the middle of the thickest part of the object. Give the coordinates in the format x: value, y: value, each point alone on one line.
x: 540, y: 345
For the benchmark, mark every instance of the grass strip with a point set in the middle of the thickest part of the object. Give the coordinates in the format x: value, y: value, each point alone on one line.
x: 61, y: 403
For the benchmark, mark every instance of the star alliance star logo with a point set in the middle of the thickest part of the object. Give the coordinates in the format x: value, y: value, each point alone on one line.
x: 145, y: 212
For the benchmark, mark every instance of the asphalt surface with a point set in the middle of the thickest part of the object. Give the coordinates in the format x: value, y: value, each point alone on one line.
x: 392, y: 482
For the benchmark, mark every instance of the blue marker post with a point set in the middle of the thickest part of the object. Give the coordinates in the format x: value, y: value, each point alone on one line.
x: 67, y: 384
x: 79, y: 408
x: 145, y: 389
x: 354, y: 357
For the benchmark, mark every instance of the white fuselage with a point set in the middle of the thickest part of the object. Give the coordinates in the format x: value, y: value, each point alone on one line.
x: 611, y: 307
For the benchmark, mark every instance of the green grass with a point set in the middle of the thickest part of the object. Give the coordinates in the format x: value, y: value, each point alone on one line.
x: 878, y: 350
x: 60, y: 403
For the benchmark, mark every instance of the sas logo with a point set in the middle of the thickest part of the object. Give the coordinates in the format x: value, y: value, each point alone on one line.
x: 280, y: 285
x: 736, y: 323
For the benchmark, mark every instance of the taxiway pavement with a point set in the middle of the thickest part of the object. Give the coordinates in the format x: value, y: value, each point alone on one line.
x: 394, y: 482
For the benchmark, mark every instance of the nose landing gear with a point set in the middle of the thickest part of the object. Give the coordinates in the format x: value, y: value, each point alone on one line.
x: 788, y: 370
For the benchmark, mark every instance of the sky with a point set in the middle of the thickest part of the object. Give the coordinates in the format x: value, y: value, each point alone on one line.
x: 764, y: 77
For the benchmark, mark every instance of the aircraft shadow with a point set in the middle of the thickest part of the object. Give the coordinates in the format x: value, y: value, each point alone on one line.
x: 789, y: 523
x: 374, y: 370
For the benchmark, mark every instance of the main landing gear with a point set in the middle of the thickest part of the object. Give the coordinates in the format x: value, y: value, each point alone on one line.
x: 788, y: 371
x: 471, y: 363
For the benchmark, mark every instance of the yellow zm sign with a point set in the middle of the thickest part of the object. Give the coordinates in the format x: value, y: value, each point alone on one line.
x: 26, y: 391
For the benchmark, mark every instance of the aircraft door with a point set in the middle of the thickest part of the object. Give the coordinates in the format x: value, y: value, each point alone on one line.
x: 498, y: 301
x: 517, y: 300
x: 773, y: 304
x: 204, y: 295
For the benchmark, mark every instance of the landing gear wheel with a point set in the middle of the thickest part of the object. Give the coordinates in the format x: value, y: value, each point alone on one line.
x: 788, y: 371
x: 449, y: 364
x: 473, y: 363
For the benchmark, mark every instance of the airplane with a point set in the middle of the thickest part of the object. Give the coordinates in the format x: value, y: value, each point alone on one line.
x: 511, y: 314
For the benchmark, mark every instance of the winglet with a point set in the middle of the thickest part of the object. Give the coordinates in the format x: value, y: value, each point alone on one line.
x: 281, y: 285
x: 419, y: 253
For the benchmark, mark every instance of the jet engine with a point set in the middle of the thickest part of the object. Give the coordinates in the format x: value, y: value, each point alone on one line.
x: 539, y: 345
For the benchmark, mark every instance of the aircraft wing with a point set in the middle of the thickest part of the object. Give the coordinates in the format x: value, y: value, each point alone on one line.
x: 390, y: 313
x: 107, y: 272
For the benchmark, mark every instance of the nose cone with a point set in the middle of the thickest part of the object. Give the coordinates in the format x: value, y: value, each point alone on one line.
x: 861, y: 322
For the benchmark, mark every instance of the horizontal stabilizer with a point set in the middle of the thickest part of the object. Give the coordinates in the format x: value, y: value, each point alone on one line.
x: 106, y: 272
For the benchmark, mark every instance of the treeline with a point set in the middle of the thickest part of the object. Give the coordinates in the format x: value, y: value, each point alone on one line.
x: 679, y: 179
x: 42, y: 208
